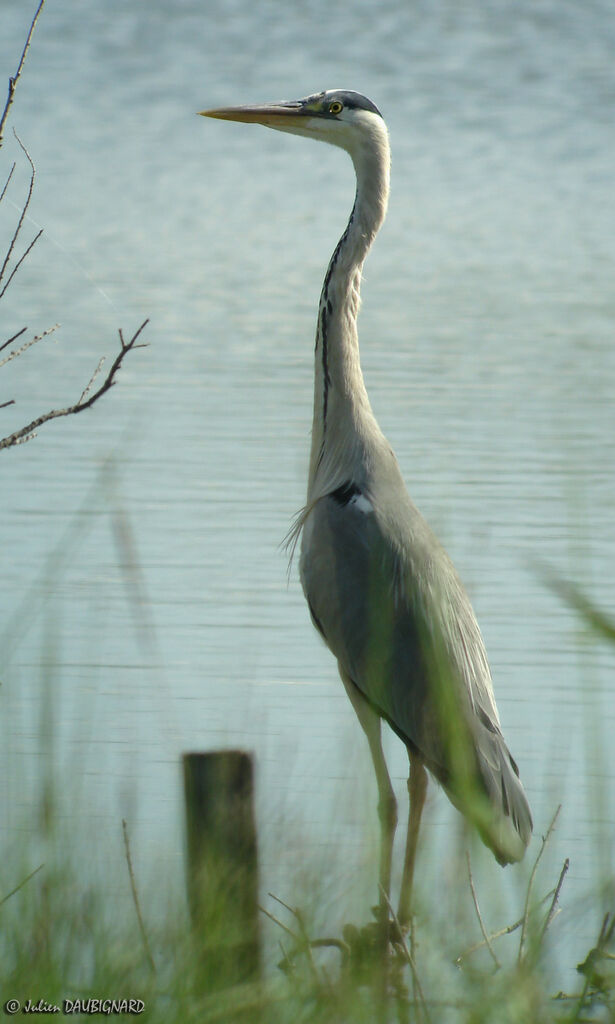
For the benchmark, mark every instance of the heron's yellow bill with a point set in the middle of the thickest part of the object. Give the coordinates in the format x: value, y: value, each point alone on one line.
x: 286, y: 115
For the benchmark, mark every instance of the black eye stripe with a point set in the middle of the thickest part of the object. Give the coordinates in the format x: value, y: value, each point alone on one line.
x: 346, y: 98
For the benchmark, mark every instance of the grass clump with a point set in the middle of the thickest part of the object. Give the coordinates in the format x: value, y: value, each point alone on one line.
x: 61, y: 941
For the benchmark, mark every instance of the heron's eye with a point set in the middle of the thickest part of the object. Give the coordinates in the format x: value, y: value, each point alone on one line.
x: 336, y: 107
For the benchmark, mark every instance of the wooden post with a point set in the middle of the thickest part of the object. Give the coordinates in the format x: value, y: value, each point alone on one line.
x: 222, y: 871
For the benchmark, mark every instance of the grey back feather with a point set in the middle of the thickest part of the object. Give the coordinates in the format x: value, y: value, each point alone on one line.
x: 388, y: 601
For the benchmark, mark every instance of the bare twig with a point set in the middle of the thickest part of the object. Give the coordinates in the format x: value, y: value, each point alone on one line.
x: 552, y: 909
x: 508, y: 930
x: 303, y: 940
x: 10, y: 341
x: 17, y: 352
x: 553, y: 895
x: 28, y: 344
x: 109, y: 380
x: 281, y: 902
x: 15, y: 78
x: 88, y: 396
x: 526, y: 912
x: 88, y: 387
x: 135, y: 897
x: 21, y: 884
x: 7, y: 182
x: 479, y: 915
x: 20, y: 260
x: 20, y: 222
x: 281, y: 924
x: 29, y: 431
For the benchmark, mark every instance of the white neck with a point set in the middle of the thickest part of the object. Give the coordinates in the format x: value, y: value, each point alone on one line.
x: 341, y: 405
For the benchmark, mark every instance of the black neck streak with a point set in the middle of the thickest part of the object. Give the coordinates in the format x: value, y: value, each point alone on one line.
x: 325, y: 312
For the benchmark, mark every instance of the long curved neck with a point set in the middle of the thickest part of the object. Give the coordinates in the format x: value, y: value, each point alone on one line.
x: 342, y: 413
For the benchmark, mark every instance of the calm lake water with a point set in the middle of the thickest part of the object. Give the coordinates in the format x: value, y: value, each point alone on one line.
x: 144, y: 602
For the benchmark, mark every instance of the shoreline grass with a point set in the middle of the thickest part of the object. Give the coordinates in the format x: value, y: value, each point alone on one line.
x: 61, y: 940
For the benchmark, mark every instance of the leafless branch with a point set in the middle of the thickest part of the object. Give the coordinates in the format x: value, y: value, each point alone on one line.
x: 17, y: 232
x: 90, y: 394
x: 13, y: 80
x: 303, y: 940
x: 507, y: 930
x: 279, y: 900
x: 277, y: 921
x: 20, y: 260
x: 14, y: 338
x: 29, y: 431
x: 19, y: 351
x: 479, y: 915
x: 88, y: 386
x: 526, y: 912
x: 7, y: 182
x: 28, y: 344
x: 552, y: 909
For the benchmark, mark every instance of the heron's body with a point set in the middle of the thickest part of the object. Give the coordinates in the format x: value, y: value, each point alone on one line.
x: 381, y: 589
x: 387, y: 600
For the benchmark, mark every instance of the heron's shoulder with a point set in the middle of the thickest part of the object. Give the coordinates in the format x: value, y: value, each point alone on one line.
x: 353, y: 496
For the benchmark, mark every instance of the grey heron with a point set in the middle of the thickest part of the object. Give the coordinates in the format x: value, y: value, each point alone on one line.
x: 380, y: 588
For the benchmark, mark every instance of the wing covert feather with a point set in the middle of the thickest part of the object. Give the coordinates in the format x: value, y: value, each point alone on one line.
x: 392, y: 609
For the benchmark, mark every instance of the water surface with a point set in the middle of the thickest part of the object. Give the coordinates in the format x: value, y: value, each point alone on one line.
x: 166, y: 622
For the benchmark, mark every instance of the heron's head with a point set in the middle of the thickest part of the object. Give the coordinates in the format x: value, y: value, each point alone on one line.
x: 343, y: 118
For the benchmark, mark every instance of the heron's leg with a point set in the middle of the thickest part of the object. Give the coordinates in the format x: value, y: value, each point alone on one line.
x: 387, y: 804
x: 417, y: 790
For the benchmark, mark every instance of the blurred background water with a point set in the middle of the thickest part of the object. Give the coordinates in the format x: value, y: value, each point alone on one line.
x: 164, y: 621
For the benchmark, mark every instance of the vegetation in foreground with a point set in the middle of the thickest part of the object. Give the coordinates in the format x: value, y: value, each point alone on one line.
x: 64, y: 939
x: 62, y: 943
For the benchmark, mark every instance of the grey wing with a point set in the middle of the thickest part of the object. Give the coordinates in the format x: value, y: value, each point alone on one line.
x: 387, y: 599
